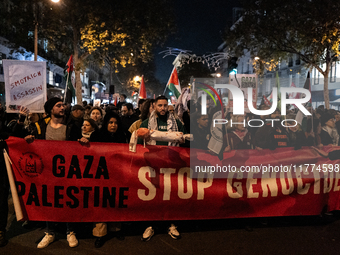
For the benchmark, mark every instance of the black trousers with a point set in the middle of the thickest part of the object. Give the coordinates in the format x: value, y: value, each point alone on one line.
x: 4, y: 190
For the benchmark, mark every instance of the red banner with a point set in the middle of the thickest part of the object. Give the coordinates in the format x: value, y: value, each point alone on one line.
x: 67, y: 182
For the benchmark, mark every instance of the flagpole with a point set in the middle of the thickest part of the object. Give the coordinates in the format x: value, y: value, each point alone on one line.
x: 66, y: 87
x: 166, y: 85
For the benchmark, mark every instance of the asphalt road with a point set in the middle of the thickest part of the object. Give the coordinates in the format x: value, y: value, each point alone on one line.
x: 281, y: 235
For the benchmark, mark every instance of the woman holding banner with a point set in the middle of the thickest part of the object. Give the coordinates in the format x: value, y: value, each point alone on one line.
x: 111, y: 132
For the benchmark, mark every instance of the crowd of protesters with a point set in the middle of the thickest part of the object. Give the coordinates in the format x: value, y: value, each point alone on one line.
x: 115, y: 124
x: 250, y: 131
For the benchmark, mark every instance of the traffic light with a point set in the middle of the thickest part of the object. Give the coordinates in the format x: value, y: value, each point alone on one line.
x: 232, y: 64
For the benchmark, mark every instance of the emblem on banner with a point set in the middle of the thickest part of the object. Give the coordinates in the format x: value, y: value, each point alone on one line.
x: 31, y: 164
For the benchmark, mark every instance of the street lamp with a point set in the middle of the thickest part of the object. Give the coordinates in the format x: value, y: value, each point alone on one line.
x: 36, y: 23
x: 137, y: 78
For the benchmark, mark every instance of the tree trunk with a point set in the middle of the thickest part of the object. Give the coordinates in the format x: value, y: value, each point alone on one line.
x: 79, y: 94
x: 325, y: 88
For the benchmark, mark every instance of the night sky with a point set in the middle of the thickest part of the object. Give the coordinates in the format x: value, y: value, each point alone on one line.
x: 199, y: 28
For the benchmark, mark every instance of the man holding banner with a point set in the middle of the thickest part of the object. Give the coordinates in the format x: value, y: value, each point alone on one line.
x: 52, y: 128
x: 161, y: 120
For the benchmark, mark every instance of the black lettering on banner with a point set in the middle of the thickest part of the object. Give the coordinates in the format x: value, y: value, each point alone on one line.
x: 21, y: 188
x: 33, y: 196
x: 88, y: 166
x: 44, y: 197
x: 75, y: 203
x: 102, y: 169
x: 96, y: 196
x: 109, y: 197
x: 86, y: 196
x: 74, y: 168
x: 58, y: 196
x: 55, y: 168
x: 122, y: 197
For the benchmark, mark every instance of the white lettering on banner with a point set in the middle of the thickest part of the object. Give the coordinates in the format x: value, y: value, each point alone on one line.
x: 316, y: 182
x: 231, y: 185
x: 300, y: 189
x: 181, y: 183
x: 202, y: 185
x: 250, y: 183
x: 237, y: 186
x: 337, y: 178
x: 143, y: 171
x: 328, y: 182
x: 286, y: 183
x: 268, y: 183
x: 167, y: 181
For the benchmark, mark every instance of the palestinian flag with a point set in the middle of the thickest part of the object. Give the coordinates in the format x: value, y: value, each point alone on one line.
x: 142, y: 91
x: 173, y: 83
x: 68, y: 77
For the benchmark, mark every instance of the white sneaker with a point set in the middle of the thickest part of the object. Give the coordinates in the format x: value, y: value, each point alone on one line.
x: 148, y: 233
x: 46, y: 241
x: 173, y: 232
x: 72, y: 239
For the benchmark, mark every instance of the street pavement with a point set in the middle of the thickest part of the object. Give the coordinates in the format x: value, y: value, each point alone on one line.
x: 279, y: 235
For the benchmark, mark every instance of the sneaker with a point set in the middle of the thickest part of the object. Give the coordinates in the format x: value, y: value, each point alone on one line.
x: 148, y: 233
x: 46, y: 241
x: 173, y: 232
x: 3, y: 240
x: 72, y: 239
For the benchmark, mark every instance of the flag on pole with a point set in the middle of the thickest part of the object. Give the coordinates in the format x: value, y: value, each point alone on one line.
x: 142, y: 91
x: 267, y: 102
x: 293, y: 95
x: 68, y: 76
x: 173, y: 83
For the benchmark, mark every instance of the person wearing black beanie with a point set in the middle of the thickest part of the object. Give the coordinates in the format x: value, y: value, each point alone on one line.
x: 50, y: 103
x: 53, y: 128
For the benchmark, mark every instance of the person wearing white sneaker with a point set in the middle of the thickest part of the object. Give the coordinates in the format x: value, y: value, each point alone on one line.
x: 48, y: 238
x: 72, y: 239
x: 52, y: 127
x: 173, y: 232
x: 148, y: 233
x: 164, y: 121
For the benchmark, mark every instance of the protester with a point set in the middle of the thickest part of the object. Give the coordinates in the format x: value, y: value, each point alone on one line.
x: 201, y: 131
x: 138, y: 110
x: 75, y: 121
x: 239, y: 138
x: 89, y: 126
x: 122, y: 101
x: 271, y: 135
x: 96, y: 114
x: 52, y: 128
x: 146, y: 109
x: 128, y: 118
x: 111, y: 132
x: 329, y: 134
x: 161, y: 120
x: 87, y: 111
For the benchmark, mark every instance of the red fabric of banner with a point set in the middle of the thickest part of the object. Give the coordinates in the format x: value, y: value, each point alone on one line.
x: 67, y: 182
